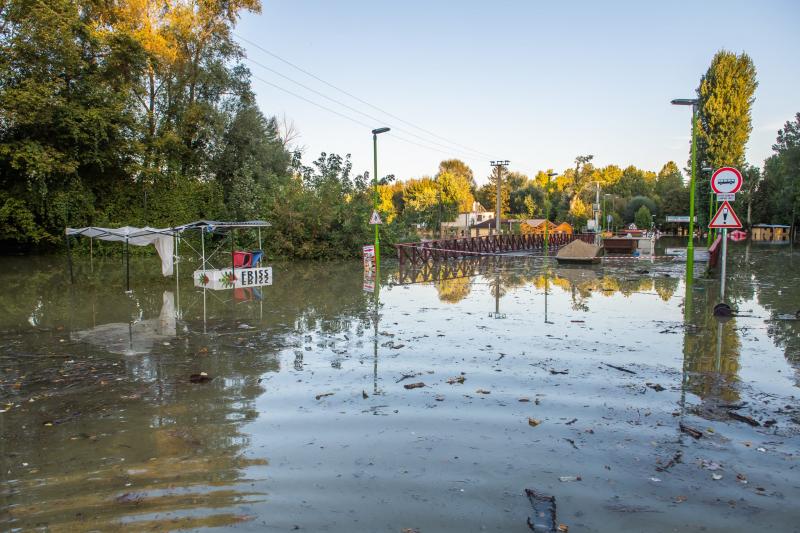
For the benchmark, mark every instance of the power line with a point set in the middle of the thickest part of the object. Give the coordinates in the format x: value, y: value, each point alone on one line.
x: 312, y: 75
x: 371, y: 117
x: 360, y: 123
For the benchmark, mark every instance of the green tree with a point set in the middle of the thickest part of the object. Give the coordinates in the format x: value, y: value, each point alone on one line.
x: 776, y: 198
x: 726, y: 95
x: 643, y: 219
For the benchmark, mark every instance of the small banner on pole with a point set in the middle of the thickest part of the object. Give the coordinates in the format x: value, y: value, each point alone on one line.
x: 369, y: 257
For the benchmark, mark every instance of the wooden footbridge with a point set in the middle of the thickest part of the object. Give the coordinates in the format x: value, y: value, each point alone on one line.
x: 487, y: 245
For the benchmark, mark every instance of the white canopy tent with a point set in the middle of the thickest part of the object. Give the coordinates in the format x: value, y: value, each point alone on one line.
x: 165, y: 240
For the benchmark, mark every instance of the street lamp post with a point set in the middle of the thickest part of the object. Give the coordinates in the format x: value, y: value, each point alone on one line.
x: 692, y: 102
x: 605, y: 212
x: 710, y: 207
x: 547, y: 214
x: 375, y: 134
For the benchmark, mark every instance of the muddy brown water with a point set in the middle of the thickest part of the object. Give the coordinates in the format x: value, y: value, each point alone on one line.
x: 302, y: 420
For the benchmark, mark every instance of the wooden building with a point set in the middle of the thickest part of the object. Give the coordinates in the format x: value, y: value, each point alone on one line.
x: 770, y: 233
x: 535, y: 226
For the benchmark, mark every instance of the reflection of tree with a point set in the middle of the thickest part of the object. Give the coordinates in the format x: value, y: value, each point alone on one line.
x: 453, y: 290
x: 711, y: 351
x: 496, y: 286
x: 157, y: 445
x: 778, y: 291
x: 665, y: 287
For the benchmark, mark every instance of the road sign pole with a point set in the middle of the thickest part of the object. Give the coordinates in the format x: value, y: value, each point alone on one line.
x: 724, y: 260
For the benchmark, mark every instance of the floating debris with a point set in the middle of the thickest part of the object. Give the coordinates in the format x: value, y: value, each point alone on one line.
x: 544, y: 512
x: 743, y: 418
x: 323, y: 395
x: 567, y: 479
x: 690, y: 431
x: 202, y: 377
x: 458, y: 379
x: 533, y: 422
x: 414, y: 385
x: 621, y: 369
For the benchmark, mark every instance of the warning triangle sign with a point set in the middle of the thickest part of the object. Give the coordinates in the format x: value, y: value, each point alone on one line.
x: 376, y: 218
x: 725, y: 218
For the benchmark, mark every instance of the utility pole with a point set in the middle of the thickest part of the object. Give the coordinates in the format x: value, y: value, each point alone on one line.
x: 596, y: 214
x: 499, y: 177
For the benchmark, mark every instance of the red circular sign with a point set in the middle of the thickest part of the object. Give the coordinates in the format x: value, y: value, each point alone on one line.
x: 726, y: 180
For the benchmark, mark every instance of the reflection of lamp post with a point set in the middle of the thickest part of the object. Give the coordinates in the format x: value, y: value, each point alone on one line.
x: 375, y: 133
x: 547, y: 214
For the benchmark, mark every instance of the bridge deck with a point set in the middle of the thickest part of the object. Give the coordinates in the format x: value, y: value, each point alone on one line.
x: 423, y: 252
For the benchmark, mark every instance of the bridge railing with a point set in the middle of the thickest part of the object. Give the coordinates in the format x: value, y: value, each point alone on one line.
x: 443, y: 249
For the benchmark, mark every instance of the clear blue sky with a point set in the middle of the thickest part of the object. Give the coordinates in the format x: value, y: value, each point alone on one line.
x: 533, y: 82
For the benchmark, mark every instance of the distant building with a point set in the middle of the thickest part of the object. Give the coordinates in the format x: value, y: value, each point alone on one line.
x: 535, y: 226
x: 563, y: 228
x: 489, y: 227
x: 770, y: 232
x: 464, y: 222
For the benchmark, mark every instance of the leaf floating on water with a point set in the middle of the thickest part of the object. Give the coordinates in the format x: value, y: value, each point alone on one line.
x: 563, y: 528
x: 680, y: 499
x: 524, y: 400
x: 414, y: 385
x: 483, y: 391
x: 323, y: 395
x: 409, y: 530
x: 533, y: 422
x: 364, y: 394
x: 566, y: 479
x: 716, y: 477
x: 459, y: 379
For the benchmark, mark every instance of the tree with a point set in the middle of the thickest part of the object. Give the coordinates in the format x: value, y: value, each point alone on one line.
x: 635, y: 205
x: 643, y: 219
x: 515, y: 181
x: 776, y: 198
x: 726, y: 95
x: 487, y: 194
x: 458, y: 168
x: 455, y: 192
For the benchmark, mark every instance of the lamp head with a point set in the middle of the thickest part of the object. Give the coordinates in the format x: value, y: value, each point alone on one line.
x: 376, y: 131
x: 684, y: 101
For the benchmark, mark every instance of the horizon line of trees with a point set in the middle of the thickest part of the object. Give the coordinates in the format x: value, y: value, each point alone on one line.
x: 137, y: 112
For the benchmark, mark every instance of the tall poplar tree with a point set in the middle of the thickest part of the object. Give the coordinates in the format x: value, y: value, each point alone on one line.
x: 726, y: 95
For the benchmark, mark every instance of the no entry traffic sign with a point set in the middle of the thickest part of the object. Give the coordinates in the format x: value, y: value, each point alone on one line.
x: 725, y: 218
x: 726, y: 180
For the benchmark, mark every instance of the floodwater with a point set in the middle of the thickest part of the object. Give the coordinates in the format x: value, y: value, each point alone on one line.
x: 303, y: 420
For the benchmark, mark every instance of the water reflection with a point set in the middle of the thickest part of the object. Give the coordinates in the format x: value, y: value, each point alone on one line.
x: 454, y: 280
x: 102, y: 427
x: 137, y: 336
x: 117, y: 436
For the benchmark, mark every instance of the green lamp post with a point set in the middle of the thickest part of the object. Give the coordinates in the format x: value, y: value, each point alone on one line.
x: 690, y: 245
x: 375, y: 134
